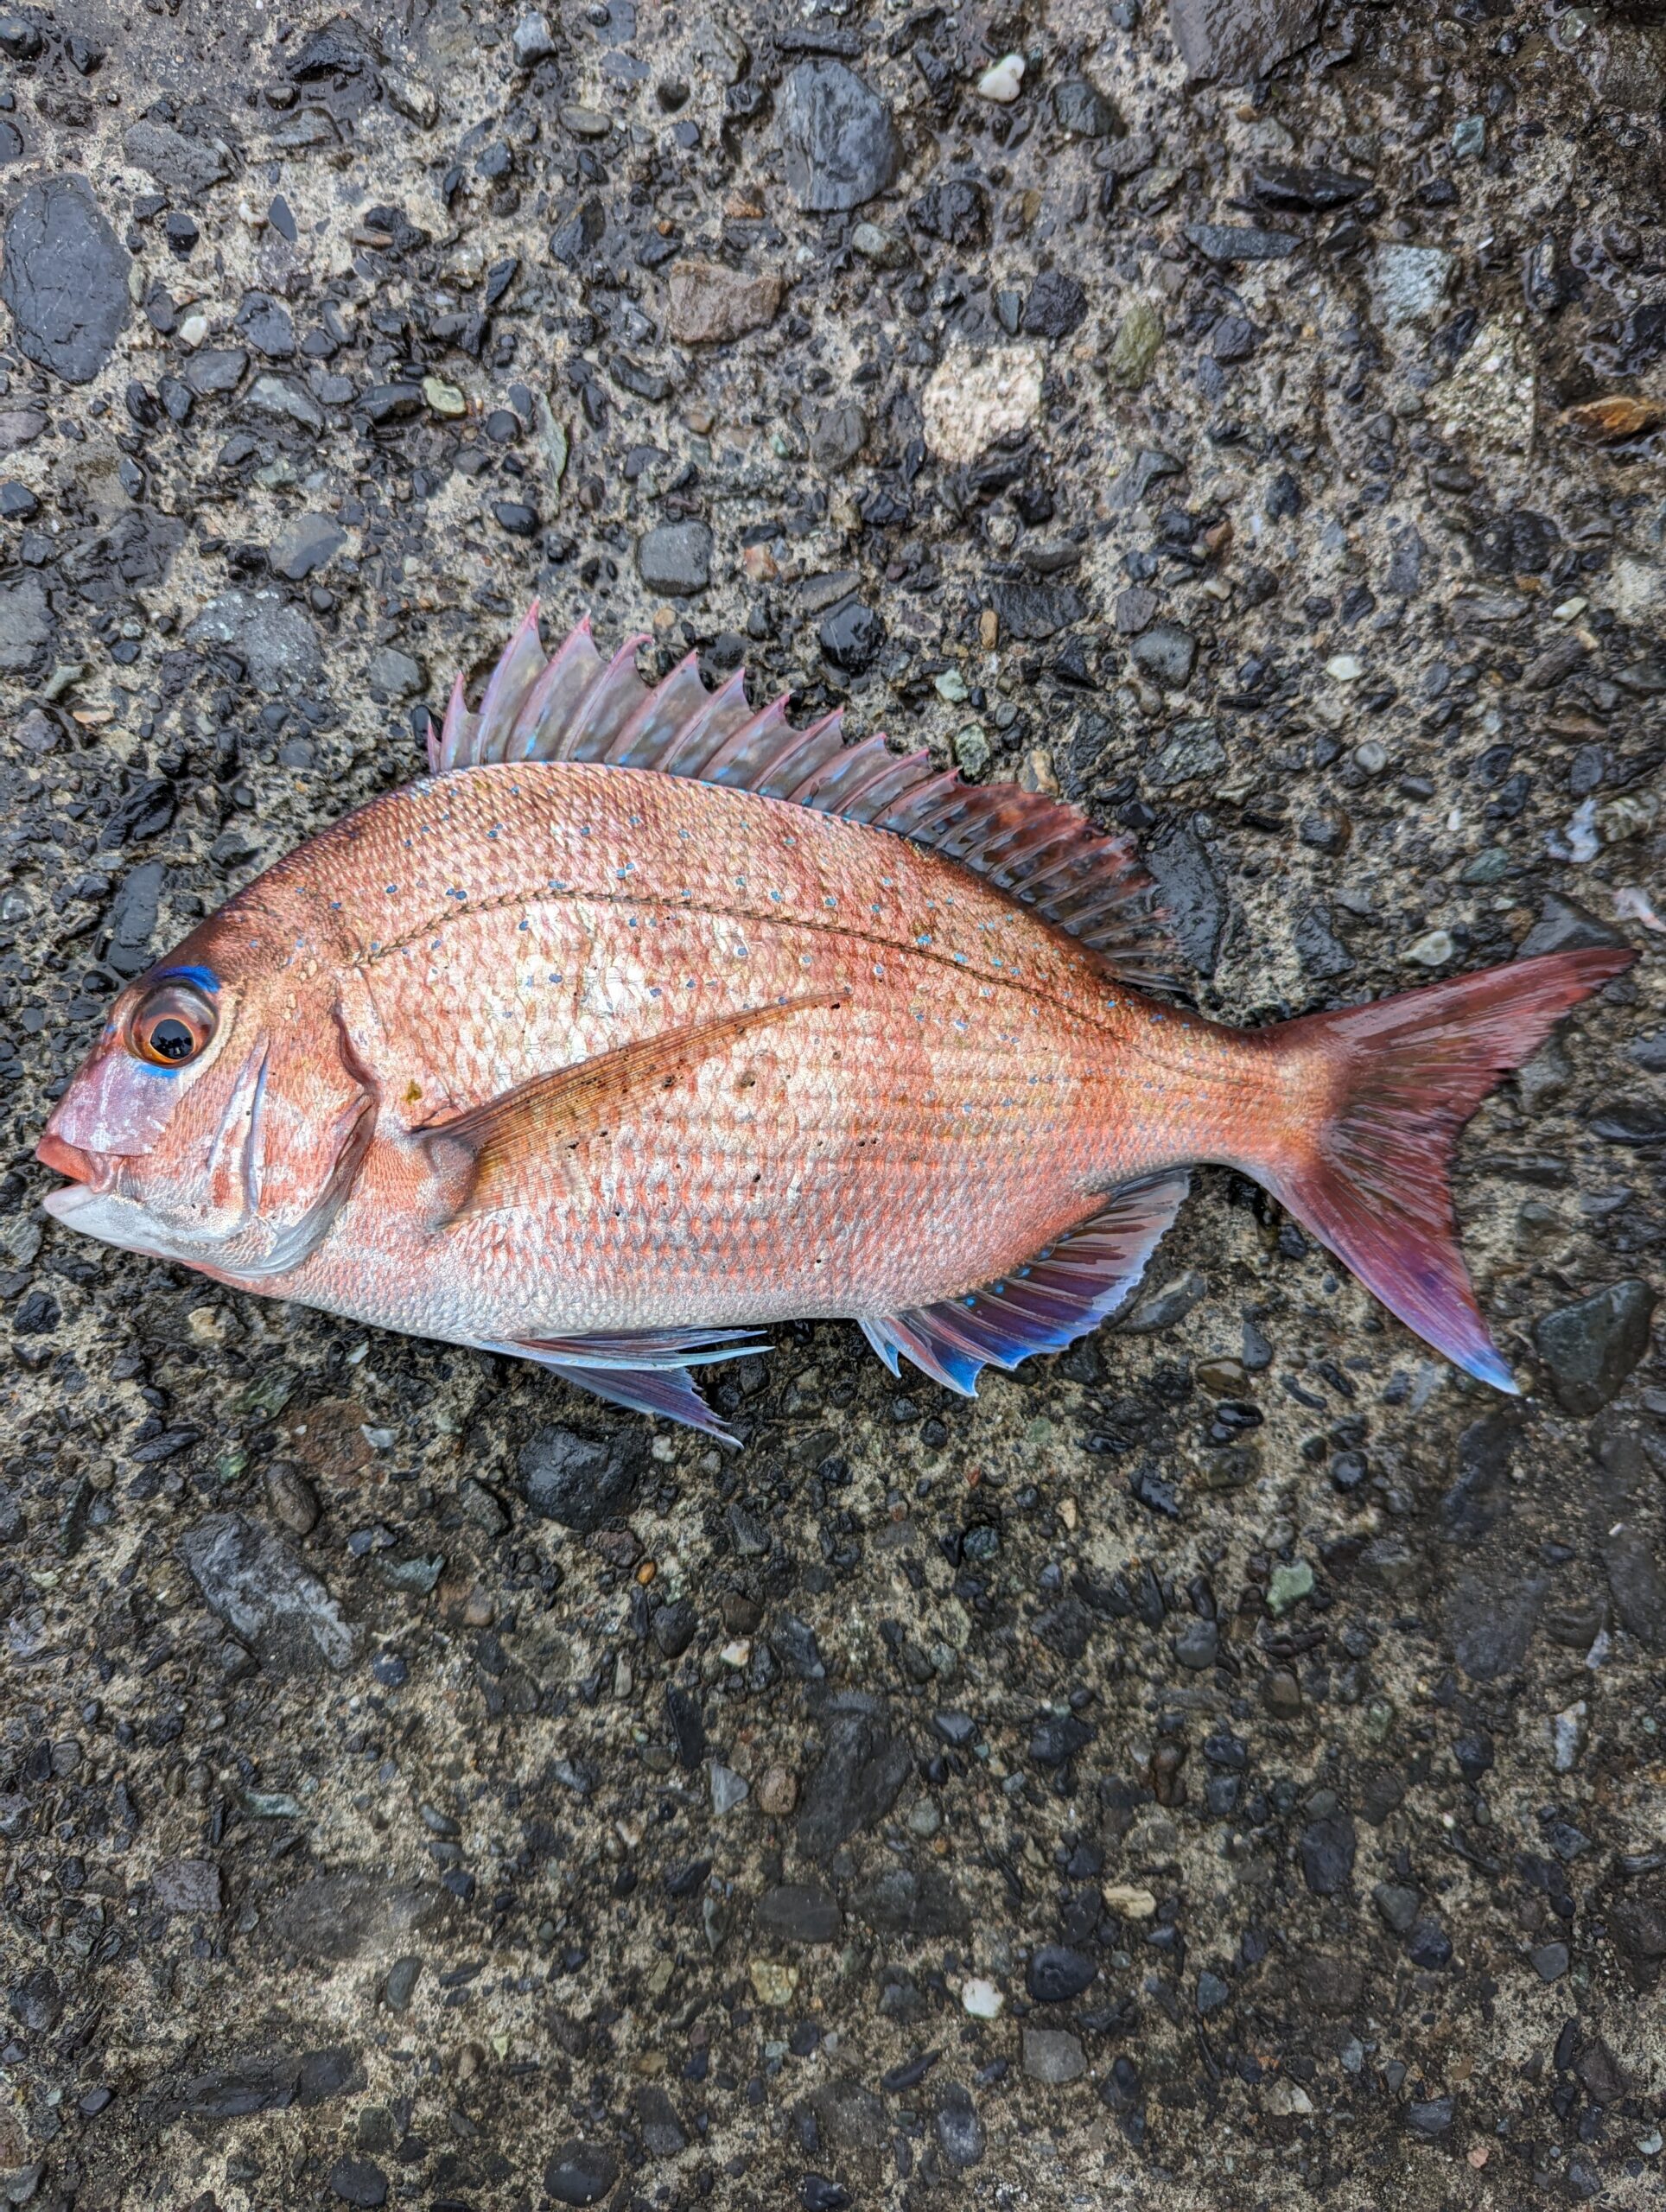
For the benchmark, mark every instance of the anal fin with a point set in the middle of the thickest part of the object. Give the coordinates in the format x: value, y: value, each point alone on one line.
x: 1061, y: 1295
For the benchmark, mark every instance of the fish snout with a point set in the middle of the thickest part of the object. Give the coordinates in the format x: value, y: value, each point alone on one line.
x: 65, y: 1159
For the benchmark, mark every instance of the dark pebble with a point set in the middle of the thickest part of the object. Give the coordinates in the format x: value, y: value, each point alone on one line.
x: 1056, y: 1973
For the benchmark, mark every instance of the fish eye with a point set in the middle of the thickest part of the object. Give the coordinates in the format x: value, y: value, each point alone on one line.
x: 171, y: 1025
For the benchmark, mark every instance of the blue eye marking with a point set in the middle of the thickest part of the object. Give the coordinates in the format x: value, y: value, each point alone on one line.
x: 204, y: 978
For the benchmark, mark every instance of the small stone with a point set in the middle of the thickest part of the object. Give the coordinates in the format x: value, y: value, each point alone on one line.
x: 578, y: 1482
x: 1287, y: 2100
x: 585, y: 122
x: 1197, y: 1646
x: 840, y: 145
x: 1056, y: 1973
x: 1550, y: 1962
x: 1288, y: 1584
x: 581, y: 2173
x: 1135, y: 347
x: 1083, y: 109
x: 1568, y: 1733
x: 1166, y: 653
x: 356, y: 2181
x: 532, y: 40
x: 1053, y: 2055
x: 1343, y: 668
x: 1428, y: 1946
x: 1031, y: 611
x: 64, y: 279
x: 1003, y: 80
x: 973, y: 399
x: 1194, y: 752
x: 1408, y: 282
x: 26, y: 625
x: 1591, y: 1346
x: 981, y: 1999
x: 959, y: 2131
x: 401, y: 1984
x: 1433, y: 950
x: 851, y: 635
x: 674, y: 558
x: 266, y: 326
x: 1056, y: 306
x: 1397, y: 1905
x: 392, y: 674
x: 442, y: 398
x: 1129, y: 1901
x: 1326, y: 1850
x: 799, y: 1912
x: 772, y: 1983
x: 20, y: 426
x: 382, y: 403
x: 291, y: 401
x: 187, y: 1885
x: 260, y: 1589
x: 971, y: 749
x: 1430, y: 2117
x: 729, y: 1789
x: 304, y: 545
x: 292, y: 1498
x: 1162, y: 1309
x: 215, y: 368
x: 837, y: 435
x: 269, y: 634
x: 777, y: 1791
x: 663, y: 2135
x: 1233, y: 41
x: 855, y: 1782
x: 709, y: 304
x: 878, y: 245
x: 1213, y: 1994
x: 1232, y: 242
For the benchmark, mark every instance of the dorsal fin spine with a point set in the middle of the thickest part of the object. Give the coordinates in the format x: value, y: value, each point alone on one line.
x: 1037, y: 849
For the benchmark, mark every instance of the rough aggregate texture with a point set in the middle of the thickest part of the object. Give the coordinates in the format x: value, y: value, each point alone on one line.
x: 1221, y: 1767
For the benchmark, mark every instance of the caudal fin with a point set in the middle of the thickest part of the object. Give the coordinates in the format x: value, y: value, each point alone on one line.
x: 1399, y: 1079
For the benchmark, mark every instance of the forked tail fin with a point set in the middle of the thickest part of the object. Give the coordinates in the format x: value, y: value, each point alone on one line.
x: 1395, y: 1083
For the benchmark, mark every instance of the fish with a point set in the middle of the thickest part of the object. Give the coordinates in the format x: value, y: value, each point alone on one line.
x: 648, y: 1018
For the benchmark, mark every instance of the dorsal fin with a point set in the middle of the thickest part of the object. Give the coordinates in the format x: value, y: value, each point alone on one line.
x: 1046, y: 854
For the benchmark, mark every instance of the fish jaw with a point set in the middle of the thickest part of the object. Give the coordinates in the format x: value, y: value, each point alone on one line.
x: 112, y: 1220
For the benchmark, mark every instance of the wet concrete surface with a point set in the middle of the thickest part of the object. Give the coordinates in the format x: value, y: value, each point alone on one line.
x: 1220, y: 1767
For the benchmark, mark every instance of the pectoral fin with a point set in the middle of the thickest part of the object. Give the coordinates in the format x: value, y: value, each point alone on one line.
x: 482, y: 1157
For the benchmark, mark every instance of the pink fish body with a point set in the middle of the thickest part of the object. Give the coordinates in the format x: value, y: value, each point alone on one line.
x: 649, y: 1019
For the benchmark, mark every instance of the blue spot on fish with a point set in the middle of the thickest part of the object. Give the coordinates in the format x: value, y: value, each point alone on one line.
x: 204, y: 978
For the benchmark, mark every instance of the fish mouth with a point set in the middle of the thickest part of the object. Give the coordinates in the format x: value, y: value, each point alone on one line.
x: 84, y: 1170
x: 91, y: 1202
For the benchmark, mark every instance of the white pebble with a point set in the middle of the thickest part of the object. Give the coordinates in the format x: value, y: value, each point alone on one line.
x: 1431, y: 951
x: 1003, y: 80
x: 1343, y: 668
x: 982, y: 1999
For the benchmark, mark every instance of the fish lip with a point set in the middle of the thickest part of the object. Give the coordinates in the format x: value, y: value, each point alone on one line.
x: 65, y: 1159
x: 69, y: 1199
x: 112, y: 1220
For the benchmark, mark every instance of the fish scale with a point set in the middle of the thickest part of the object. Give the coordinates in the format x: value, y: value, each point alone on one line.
x: 989, y: 1025
x: 651, y: 1018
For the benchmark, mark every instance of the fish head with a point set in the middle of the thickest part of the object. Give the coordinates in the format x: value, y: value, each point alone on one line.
x: 222, y: 1118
